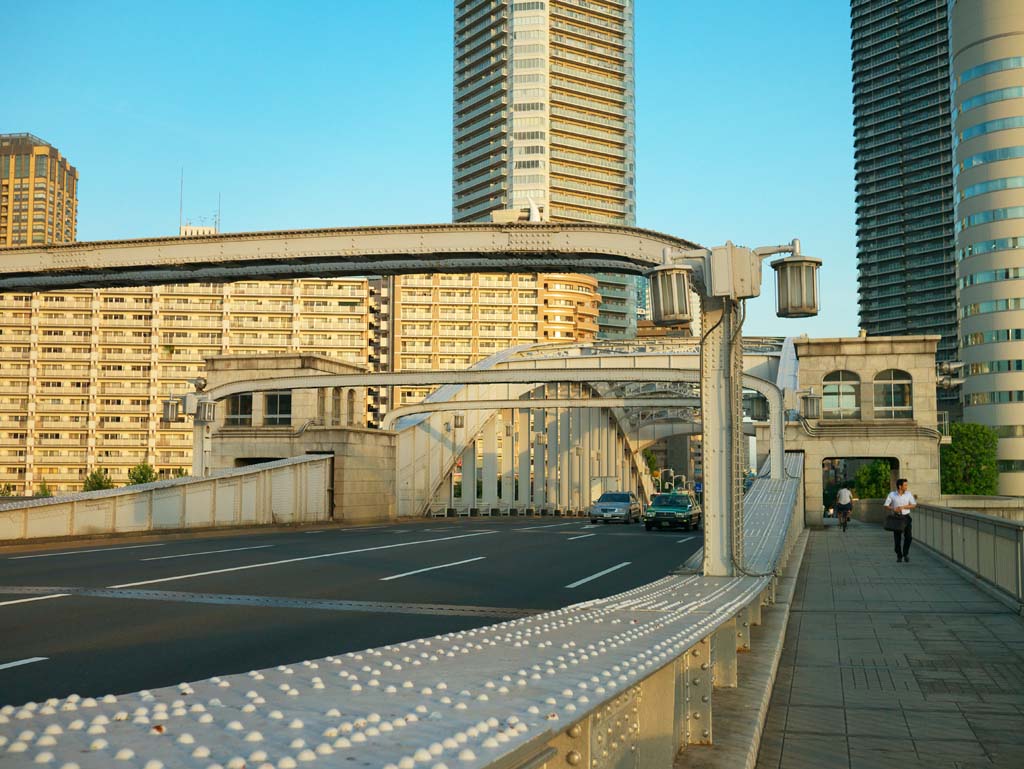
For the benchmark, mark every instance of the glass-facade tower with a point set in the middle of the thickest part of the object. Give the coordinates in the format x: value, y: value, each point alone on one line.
x: 544, y: 115
x: 904, y: 182
x: 987, y: 57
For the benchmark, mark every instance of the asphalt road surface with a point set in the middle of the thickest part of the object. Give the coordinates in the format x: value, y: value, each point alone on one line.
x: 109, y: 617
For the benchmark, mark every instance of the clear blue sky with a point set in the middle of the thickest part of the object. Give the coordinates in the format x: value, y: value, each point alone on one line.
x: 320, y: 114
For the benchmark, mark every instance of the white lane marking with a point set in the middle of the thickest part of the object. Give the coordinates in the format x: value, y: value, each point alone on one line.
x: 585, y: 580
x: 315, y: 531
x: 76, y: 552
x: 548, y: 526
x: 37, y: 598
x: 297, y: 560
x: 27, y: 661
x: 687, y: 539
x: 580, y: 536
x: 431, y: 568
x: 591, y: 526
x: 205, y: 552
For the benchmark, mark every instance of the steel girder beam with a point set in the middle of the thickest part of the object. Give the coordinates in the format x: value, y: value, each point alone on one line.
x: 549, y: 403
x: 386, y: 250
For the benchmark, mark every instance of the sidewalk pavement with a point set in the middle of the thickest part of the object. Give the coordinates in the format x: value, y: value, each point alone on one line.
x: 886, y: 664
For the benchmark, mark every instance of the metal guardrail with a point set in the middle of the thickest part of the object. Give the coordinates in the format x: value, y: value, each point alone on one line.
x: 989, y: 547
x: 627, y: 680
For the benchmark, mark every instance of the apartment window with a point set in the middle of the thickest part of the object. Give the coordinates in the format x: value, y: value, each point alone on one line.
x: 21, y: 166
x: 894, y: 395
x: 351, y: 407
x: 841, y: 398
x: 239, y: 410
x: 277, y: 409
x: 41, y: 161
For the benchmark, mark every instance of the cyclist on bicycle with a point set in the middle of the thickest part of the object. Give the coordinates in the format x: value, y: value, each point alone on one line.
x: 844, y: 506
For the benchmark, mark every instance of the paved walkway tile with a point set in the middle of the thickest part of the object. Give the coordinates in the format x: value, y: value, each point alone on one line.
x: 894, y: 665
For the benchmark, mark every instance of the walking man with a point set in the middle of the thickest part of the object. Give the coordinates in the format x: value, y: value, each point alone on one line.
x: 844, y: 505
x: 901, y: 502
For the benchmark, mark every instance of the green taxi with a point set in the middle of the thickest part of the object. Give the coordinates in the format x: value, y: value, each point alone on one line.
x: 671, y: 510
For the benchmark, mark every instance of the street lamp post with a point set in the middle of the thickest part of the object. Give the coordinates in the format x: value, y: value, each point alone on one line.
x: 725, y: 276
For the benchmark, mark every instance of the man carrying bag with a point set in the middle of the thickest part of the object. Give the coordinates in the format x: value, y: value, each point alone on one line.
x: 899, y: 503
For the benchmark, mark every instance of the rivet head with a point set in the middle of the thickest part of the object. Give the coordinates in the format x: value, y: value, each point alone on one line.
x: 696, y: 715
x: 573, y: 758
x: 575, y: 730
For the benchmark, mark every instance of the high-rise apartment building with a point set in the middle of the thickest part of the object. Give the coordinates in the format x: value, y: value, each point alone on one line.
x: 544, y: 116
x: 904, y: 183
x: 38, y: 192
x: 83, y: 374
x: 987, y: 56
x: 454, y: 321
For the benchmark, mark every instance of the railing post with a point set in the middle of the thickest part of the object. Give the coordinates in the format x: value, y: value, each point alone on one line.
x: 755, y: 607
x: 743, y: 627
x: 657, y: 719
x: 724, y: 640
x: 695, y: 691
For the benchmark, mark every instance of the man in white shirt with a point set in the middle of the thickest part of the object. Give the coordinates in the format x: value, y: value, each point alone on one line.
x: 844, y: 505
x: 901, y: 502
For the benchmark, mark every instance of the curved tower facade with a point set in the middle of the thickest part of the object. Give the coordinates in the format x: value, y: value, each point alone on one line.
x: 987, y: 68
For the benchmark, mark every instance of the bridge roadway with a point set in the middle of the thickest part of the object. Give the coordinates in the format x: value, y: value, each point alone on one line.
x: 150, y: 612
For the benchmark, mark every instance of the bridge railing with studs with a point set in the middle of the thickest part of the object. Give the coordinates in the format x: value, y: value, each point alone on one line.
x: 628, y: 680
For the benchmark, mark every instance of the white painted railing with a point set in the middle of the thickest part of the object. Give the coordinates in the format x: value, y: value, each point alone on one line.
x: 288, y: 491
x: 627, y: 680
x: 989, y: 547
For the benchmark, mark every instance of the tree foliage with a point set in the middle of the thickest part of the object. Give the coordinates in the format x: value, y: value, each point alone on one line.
x: 141, y: 473
x: 43, y: 490
x: 97, y: 480
x: 873, y: 480
x: 968, y: 464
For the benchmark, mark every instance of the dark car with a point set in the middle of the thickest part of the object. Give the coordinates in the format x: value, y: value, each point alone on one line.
x: 671, y: 510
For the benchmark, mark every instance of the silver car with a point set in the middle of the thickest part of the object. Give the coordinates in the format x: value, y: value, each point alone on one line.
x: 616, y: 506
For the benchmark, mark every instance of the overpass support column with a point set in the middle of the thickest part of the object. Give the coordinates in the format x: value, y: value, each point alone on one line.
x: 575, y: 458
x: 540, y: 438
x: 468, y: 501
x: 489, y: 497
x: 565, y: 457
x: 606, y: 445
x: 586, y: 456
x: 506, y: 496
x: 524, y: 443
x: 551, y: 464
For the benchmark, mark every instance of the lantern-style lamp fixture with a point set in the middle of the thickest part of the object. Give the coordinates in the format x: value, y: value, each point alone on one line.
x: 670, y: 294
x: 796, y: 278
x: 756, y: 407
x: 811, y: 405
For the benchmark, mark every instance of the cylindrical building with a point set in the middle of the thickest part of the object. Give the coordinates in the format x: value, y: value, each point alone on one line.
x: 987, y: 67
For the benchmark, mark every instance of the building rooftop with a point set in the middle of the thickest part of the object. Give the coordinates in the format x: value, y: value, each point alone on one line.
x: 9, y: 138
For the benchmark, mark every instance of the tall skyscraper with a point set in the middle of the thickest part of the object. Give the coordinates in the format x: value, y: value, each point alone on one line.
x: 544, y: 116
x: 987, y: 56
x: 904, y: 182
x: 38, y: 192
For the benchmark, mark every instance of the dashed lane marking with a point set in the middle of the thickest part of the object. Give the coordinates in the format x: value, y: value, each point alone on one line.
x: 78, y: 552
x: 300, y: 559
x: 609, y: 570
x: 206, y: 552
x: 432, y: 568
x: 581, y: 536
x: 18, y: 663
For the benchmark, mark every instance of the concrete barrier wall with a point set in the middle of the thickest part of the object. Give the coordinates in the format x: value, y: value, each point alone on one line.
x: 290, y: 491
